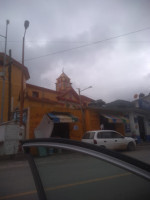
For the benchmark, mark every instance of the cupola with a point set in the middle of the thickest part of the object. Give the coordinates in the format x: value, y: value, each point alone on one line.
x: 63, y: 83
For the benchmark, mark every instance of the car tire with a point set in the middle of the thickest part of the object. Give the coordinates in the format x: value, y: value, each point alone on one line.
x: 131, y: 146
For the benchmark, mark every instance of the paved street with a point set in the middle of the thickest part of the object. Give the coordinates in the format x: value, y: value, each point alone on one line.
x: 142, y: 153
x: 16, y: 181
x: 65, y: 174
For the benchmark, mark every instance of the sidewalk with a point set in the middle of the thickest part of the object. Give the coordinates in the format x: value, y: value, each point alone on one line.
x: 22, y: 156
x: 16, y: 157
x: 143, y: 143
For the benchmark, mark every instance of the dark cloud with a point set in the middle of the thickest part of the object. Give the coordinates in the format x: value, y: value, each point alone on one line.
x: 116, y: 68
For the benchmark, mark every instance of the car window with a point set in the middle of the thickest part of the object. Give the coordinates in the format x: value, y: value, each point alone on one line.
x: 107, y: 134
x: 66, y: 175
x: 116, y: 135
x: 99, y: 135
x: 89, y: 135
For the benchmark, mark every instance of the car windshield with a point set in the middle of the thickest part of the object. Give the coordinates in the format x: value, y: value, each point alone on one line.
x: 68, y: 174
x: 76, y: 70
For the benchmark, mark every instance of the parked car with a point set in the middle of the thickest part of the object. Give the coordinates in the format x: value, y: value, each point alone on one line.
x: 109, y: 139
x: 85, y: 171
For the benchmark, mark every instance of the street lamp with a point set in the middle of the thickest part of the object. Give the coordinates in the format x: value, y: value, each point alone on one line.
x: 3, y: 73
x: 26, y: 25
x: 82, y: 112
x: 79, y: 90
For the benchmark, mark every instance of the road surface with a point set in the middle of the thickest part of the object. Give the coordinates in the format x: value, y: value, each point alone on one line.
x: 73, y: 176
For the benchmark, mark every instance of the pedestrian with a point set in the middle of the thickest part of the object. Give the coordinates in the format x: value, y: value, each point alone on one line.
x: 102, y: 126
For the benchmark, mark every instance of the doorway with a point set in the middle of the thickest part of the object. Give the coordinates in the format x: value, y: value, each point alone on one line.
x: 107, y: 125
x: 61, y: 130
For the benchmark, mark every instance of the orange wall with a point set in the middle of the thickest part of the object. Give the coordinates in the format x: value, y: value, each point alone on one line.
x: 92, y: 120
x: 37, y: 111
x: 43, y: 93
x: 15, y: 89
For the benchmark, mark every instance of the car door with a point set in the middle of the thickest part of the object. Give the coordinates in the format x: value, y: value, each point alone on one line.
x: 118, y: 141
x: 106, y: 140
x: 83, y: 171
x: 89, y: 137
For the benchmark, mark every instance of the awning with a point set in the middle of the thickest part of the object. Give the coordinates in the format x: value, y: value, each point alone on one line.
x: 116, y: 119
x: 62, y: 117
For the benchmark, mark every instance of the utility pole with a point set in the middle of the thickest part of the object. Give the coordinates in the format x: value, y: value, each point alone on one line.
x: 9, y: 86
x: 26, y: 25
x: 82, y: 111
x: 4, y: 74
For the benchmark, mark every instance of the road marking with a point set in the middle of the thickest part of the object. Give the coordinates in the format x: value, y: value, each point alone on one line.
x: 66, y: 185
x: 87, y: 181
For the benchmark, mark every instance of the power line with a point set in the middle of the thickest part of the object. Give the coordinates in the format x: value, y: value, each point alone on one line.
x: 69, y: 42
x: 89, y: 44
x: 41, y: 41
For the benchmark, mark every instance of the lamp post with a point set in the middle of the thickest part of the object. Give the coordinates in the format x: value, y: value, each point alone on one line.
x: 3, y: 73
x: 82, y: 111
x: 26, y: 25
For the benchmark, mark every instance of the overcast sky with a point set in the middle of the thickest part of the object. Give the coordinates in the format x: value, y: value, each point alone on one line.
x: 115, y: 67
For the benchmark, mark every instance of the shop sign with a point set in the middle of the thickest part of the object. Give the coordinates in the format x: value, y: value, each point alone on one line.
x: 75, y: 127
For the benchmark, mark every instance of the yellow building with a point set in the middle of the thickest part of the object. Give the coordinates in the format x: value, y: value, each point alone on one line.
x: 63, y: 102
x: 12, y: 85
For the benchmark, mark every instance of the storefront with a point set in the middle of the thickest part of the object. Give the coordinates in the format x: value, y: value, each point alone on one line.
x: 118, y: 123
x: 55, y: 124
x: 140, y: 126
x: 62, y: 122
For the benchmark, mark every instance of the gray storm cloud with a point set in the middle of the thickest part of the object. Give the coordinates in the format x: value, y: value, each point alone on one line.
x: 116, y: 68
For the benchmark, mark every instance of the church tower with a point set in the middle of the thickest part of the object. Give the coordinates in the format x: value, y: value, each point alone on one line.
x: 63, y: 83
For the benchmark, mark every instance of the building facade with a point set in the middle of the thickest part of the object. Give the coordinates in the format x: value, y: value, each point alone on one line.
x: 71, y: 112
x: 64, y: 103
x: 129, y: 118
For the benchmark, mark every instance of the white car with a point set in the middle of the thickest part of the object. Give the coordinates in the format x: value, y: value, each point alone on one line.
x: 109, y: 139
